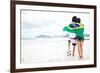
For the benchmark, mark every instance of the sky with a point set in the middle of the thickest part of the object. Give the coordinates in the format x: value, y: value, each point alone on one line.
x: 42, y: 22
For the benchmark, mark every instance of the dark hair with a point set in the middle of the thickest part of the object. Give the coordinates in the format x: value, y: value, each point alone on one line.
x: 78, y: 20
x: 74, y: 18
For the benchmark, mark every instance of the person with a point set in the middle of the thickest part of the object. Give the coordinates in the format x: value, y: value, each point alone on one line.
x: 72, y: 25
x: 78, y: 28
x: 80, y: 37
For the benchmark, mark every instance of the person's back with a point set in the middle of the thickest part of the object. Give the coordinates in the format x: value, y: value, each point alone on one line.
x: 77, y: 28
x: 80, y: 31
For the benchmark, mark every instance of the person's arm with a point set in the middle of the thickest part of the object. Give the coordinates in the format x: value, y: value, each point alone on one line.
x: 68, y: 29
x: 73, y: 30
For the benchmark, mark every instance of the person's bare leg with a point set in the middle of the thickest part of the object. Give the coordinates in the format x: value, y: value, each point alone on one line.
x: 74, y: 46
x: 69, y: 41
x: 73, y: 50
x: 78, y: 44
x: 81, y: 49
x: 69, y: 52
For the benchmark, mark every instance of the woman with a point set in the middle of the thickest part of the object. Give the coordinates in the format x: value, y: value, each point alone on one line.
x: 80, y: 37
x: 78, y: 28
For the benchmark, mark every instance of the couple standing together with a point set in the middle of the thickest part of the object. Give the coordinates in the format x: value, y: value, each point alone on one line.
x: 78, y: 28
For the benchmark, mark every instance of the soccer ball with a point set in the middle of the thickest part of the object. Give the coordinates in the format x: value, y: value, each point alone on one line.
x: 69, y: 53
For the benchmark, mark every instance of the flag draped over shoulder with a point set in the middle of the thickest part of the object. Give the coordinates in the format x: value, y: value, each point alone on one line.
x: 78, y: 30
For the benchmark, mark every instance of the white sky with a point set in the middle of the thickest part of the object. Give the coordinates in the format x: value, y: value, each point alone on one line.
x: 49, y: 23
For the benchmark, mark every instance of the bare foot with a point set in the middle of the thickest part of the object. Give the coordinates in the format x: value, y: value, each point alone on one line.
x: 81, y: 57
